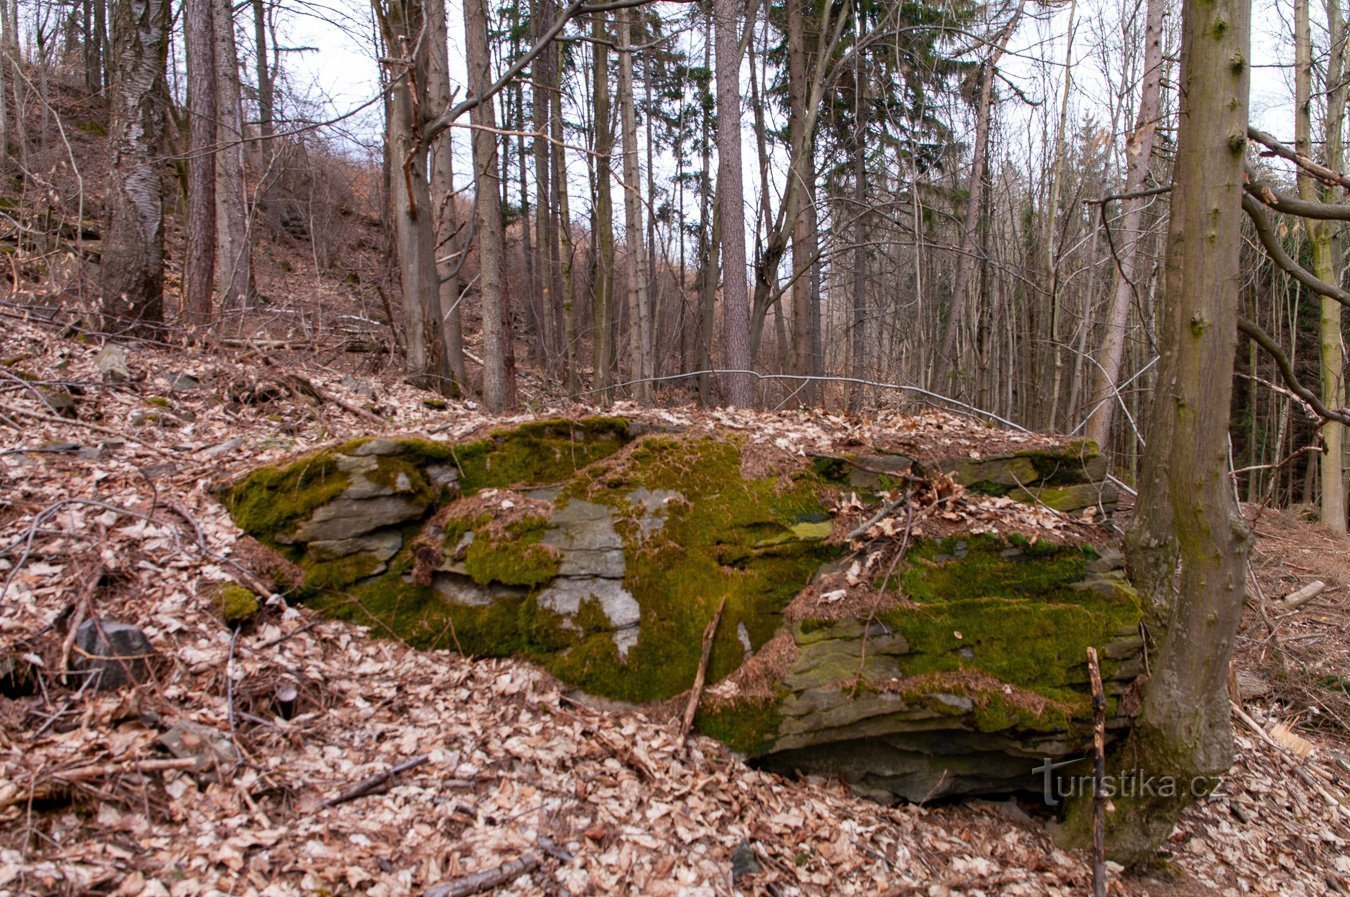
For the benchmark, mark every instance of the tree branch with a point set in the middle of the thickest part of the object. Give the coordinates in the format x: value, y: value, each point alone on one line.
x: 1272, y: 348
x: 1293, y: 205
x: 1271, y: 242
x: 1321, y: 172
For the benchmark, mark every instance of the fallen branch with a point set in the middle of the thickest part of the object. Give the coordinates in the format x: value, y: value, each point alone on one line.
x: 370, y: 783
x: 1098, y: 776
x: 72, y: 422
x: 486, y: 880
x: 1302, y: 768
x: 13, y: 792
x: 1295, y: 600
x: 709, y: 634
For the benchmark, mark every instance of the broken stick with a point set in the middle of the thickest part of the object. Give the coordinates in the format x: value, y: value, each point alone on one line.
x: 1295, y: 600
x: 370, y: 783
x: 1098, y: 776
x: 486, y: 880
x: 701, y: 676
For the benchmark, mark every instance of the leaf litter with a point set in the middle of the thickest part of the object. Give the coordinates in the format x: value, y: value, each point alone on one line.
x: 124, y: 527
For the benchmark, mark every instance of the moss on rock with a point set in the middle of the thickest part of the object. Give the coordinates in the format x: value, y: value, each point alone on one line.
x: 272, y: 500
x: 1019, y: 615
x: 233, y: 603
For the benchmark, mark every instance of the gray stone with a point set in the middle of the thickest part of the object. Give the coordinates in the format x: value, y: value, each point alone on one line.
x: 184, y: 383
x: 381, y: 545
x: 461, y: 589
x: 346, y: 518
x: 376, y: 448
x: 566, y: 594
x: 113, y: 654
x: 111, y: 362
x: 1001, y: 470
x: 211, y: 748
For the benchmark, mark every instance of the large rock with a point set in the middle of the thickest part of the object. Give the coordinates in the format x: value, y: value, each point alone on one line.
x: 600, y: 550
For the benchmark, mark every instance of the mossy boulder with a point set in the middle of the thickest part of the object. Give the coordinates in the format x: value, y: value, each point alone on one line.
x: 601, y: 548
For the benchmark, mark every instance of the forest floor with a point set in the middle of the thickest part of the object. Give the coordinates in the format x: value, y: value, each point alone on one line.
x: 109, y: 512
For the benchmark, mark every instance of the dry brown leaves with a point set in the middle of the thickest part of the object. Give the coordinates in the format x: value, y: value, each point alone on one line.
x: 512, y: 760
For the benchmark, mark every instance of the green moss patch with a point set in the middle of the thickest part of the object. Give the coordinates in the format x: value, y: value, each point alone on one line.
x: 271, y: 501
x: 233, y: 603
x: 1017, y: 615
x: 747, y: 726
x: 538, y: 453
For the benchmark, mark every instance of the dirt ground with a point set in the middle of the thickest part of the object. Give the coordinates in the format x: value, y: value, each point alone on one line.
x: 109, y: 512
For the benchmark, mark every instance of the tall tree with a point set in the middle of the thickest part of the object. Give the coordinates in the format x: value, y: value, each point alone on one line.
x: 449, y: 251
x: 499, y: 381
x: 200, y: 255
x: 1186, y: 516
x: 1124, y: 285
x: 402, y: 26
x: 602, y: 297
x: 639, y: 320
x: 975, y: 204
x: 740, y: 385
x: 1320, y: 238
x: 133, y: 249
x: 234, y: 254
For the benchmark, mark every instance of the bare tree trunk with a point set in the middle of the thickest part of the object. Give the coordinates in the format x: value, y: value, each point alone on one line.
x: 1320, y: 240
x: 133, y: 249
x: 1138, y: 155
x: 602, y: 301
x: 965, y: 261
x: 563, y: 245
x: 234, y: 255
x: 1186, y: 512
x: 1051, y: 256
x: 858, y: 342
x: 448, y: 260
x: 740, y: 387
x: 546, y: 264
x: 199, y: 260
x: 266, y: 100
x: 803, y: 174
x: 402, y: 24
x: 499, y: 379
x: 639, y: 321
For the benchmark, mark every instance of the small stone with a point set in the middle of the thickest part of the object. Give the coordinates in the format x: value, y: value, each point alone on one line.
x: 184, y: 383
x: 113, y: 654
x: 60, y: 401
x: 210, y: 747
x: 111, y: 362
x: 743, y: 860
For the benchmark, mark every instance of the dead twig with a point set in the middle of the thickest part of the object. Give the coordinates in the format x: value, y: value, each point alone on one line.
x: 370, y: 783
x: 695, y: 693
x: 487, y: 879
x: 70, y: 422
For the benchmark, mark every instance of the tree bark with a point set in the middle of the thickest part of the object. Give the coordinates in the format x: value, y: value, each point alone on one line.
x: 803, y: 174
x: 402, y: 24
x: 1138, y: 155
x: 639, y: 321
x: 133, y: 250
x: 234, y: 255
x: 1186, y: 512
x: 563, y: 247
x: 449, y: 255
x: 199, y: 258
x: 740, y: 386
x: 499, y: 380
x: 965, y: 261
x: 1320, y: 239
x: 602, y: 300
